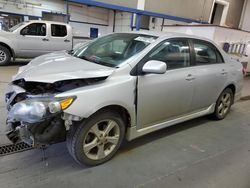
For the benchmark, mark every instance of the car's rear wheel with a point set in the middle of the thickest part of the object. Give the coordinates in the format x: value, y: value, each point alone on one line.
x: 5, y: 56
x: 97, y: 139
x: 223, y: 104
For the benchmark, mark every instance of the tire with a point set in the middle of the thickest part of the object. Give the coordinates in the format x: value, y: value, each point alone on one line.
x: 223, y: 104
x: 97, y: 139
x: 5, y: 56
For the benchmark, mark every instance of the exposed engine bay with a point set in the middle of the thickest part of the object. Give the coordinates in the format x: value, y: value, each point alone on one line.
x: 33, y: 89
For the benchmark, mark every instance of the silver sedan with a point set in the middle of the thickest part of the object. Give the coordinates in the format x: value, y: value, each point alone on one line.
x: 119, y: 86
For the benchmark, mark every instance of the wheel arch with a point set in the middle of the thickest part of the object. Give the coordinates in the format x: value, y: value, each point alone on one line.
x: 232, y: 87
x: 9, y: 48
x: 122, y: 111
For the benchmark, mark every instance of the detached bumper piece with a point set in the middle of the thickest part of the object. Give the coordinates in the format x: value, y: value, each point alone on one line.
x: 39, y: 134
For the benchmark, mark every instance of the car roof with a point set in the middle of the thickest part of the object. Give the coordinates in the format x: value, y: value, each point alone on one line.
x: 164, y: 34
x: 44, y: 21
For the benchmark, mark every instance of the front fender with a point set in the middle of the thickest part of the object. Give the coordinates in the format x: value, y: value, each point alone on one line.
x: 114, y: 91
x: 6, y: 41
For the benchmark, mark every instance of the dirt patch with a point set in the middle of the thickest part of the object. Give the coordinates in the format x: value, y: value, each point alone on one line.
x: 246, y: 98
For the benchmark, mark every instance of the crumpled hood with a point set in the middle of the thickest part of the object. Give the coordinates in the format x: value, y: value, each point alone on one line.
x: 58, y: 66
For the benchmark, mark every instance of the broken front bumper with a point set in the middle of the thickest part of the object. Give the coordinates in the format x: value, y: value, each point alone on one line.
x: 47, y: 132
x: 35, y: 119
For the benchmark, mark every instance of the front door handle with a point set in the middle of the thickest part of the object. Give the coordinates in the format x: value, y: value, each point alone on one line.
x: 66, y: 40
x: 45, y: 39
x: 190, y: 77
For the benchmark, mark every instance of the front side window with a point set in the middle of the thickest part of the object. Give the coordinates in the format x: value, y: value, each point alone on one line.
x: 58, y: 30
x: 175, y: 53
x: 34, y: 29
x: 206, y: 53
x: 112, y: 50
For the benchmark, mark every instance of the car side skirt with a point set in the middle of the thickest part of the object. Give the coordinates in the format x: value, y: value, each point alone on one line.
x: 133, y: 133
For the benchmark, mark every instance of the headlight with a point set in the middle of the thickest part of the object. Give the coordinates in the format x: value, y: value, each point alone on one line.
x: 36, y: 110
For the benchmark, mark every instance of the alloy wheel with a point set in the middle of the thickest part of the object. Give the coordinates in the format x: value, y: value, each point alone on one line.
x: 224, y: 104
x: 101, y: 139
x: 3, y: 56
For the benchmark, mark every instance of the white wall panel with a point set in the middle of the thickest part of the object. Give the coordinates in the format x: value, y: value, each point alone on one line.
x: 207, y: 32
x: 122, y: 21
x: 155, y: 26
x: 246, y: 17
x: 89, y: 14
x: 83, y: 30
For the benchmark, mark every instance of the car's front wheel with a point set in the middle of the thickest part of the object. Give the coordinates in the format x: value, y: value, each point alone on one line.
x: 5, y: 56
x: 97, y: 139
x: 223, y: 104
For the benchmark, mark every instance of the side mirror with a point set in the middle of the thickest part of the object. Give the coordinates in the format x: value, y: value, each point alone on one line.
x: 155, y: 67
x: 22, y: 33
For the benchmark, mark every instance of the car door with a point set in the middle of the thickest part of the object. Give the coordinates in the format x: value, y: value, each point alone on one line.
x: 33, y: 40
x: 210, y: 73
x: 162, y: 97
x: 60, y: 37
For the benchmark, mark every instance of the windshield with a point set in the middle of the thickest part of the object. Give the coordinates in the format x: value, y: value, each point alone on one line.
x: 114, y: 49
x: 16, y: 26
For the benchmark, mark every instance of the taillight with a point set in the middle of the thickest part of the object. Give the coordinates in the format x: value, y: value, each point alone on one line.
x: 244, y: 71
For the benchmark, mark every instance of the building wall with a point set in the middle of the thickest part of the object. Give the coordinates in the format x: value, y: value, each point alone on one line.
x: 245, y: 17
x: 196, y: 10
x: 83, y: 17
x: 125, y: 3
x: 33, y: 7
x: 182, y: 8
x: 123, y: 21
x: 234, y: 13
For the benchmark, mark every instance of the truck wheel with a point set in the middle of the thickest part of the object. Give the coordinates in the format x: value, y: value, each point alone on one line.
x: 223, y: 104
x: 5, y: 56
x: 97, y: 139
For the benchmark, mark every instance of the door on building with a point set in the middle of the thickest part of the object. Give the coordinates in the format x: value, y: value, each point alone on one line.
x: 219, y: 12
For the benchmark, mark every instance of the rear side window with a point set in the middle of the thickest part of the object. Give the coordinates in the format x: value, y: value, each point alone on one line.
x: 206, y: 53
x: 175, y: 53
x: 34, y: 29
x: 58, y: 30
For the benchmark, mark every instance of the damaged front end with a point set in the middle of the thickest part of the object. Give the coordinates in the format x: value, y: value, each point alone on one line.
x: 35, y: 115
x: 38, y: 120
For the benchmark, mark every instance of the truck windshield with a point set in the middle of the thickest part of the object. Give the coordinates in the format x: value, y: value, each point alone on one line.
x: 114, y: 49
x: 16, y: 26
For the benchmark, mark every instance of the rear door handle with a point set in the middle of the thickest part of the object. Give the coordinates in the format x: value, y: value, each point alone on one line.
x: 224, y: 72
x: 66, y: 40
x: 190, y: 77
x: 44, y: 39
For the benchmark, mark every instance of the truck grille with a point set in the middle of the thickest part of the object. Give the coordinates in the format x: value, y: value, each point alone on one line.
x: 13, y: 148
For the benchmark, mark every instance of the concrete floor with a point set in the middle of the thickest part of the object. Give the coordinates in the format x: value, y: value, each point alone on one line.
x: 199, y: 153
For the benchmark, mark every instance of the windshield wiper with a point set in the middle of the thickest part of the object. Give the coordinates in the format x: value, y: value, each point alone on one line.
x: 96, y: 61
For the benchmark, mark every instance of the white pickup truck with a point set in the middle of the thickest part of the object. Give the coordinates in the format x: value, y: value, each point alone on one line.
x: 34, y: 38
